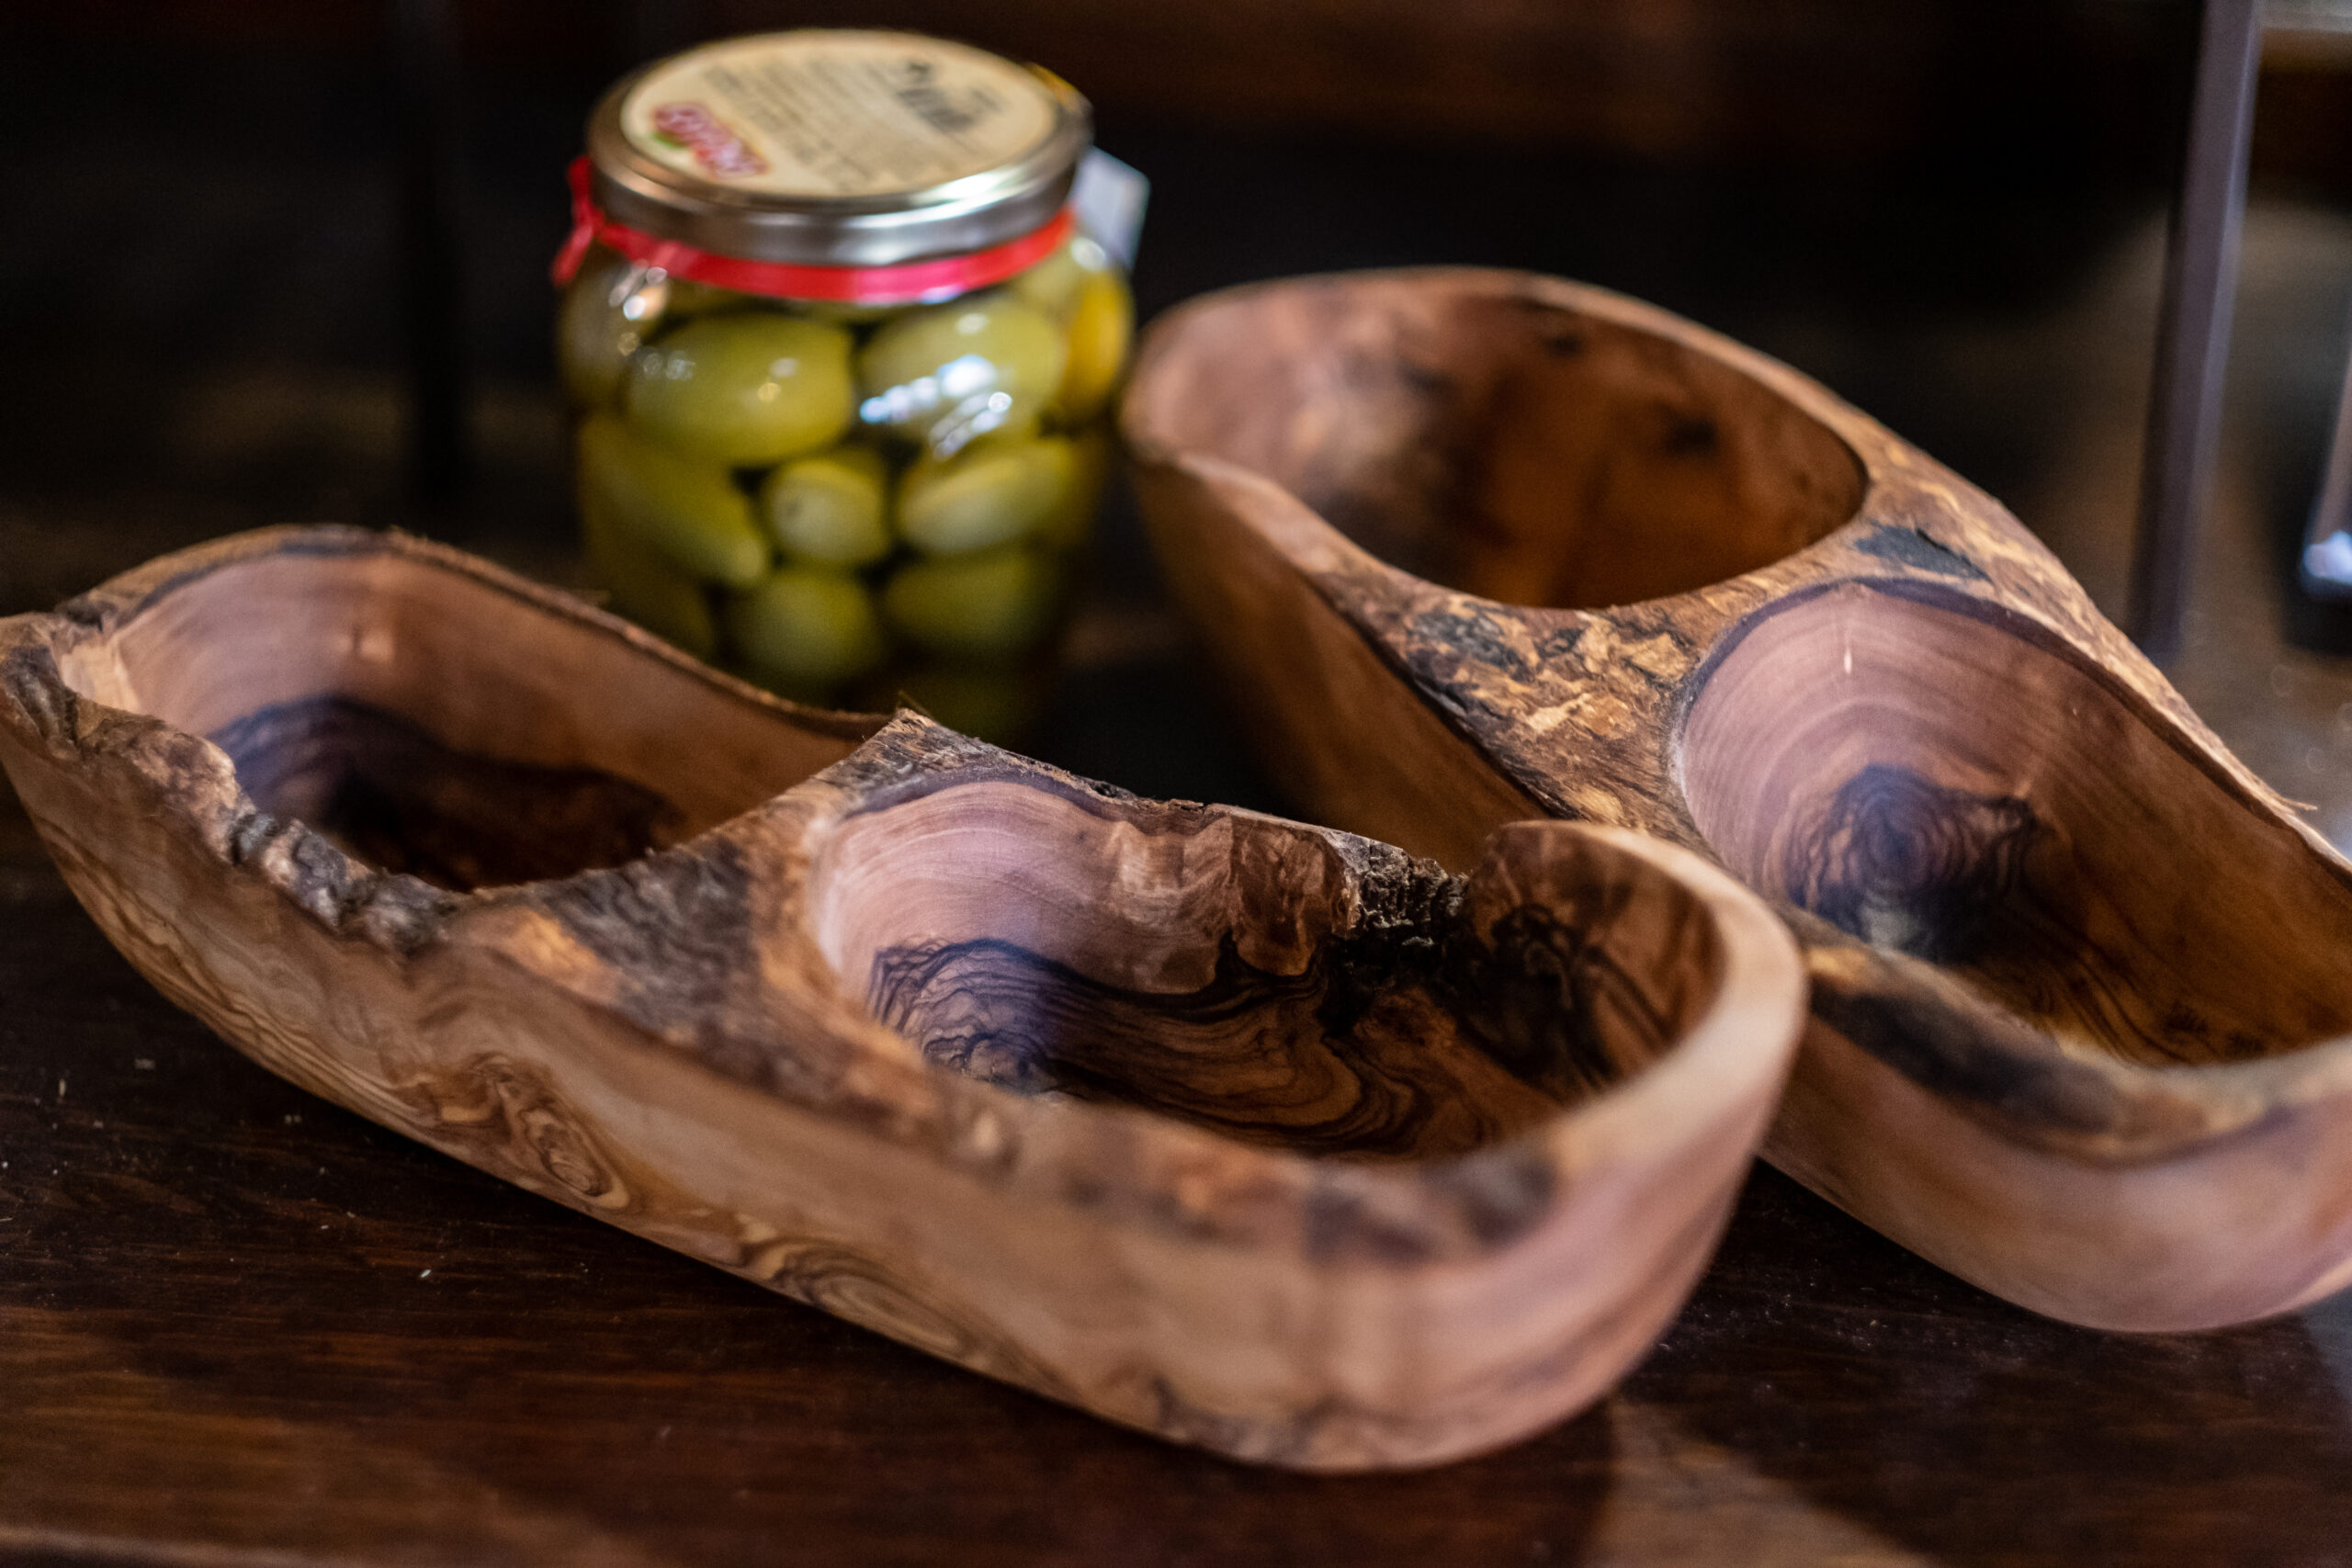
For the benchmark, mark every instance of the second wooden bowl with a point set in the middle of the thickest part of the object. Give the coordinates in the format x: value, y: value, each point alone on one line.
x: 1476, y: 545
x: 1253, y: 1134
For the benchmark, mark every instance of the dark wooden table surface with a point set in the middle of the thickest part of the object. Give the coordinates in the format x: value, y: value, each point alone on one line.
x: 240, y: 1328
x: 238, y: 1325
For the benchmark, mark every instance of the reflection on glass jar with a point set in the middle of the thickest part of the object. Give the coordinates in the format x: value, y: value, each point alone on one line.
x: 851, y: 480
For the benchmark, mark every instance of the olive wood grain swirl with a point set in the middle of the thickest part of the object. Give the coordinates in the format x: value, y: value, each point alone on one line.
x: 2080, y: 996
x: 1253, y: 1135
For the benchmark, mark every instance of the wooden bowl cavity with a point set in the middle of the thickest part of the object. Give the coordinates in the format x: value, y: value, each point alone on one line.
x: 1223, y: 973
x: 1514, y: 448
x: 393, y: 701
x: 2055, y: 849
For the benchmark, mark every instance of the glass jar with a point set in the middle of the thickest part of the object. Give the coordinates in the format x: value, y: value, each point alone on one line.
x: 842, y: 361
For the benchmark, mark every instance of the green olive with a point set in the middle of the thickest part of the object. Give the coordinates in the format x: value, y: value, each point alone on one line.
x: 607, y: 312
x: 644, y: 586
x: 948, y: 374
x: 1069, y: 524
x: 753, y: 388
x: 688, y: 299
x: 691, y: 513
x: 841, y: 314
x: 990, y: 494
x: 994, y: 703
x: 989, y: 604
x: 1101, y: 326
x: 1053, y: 285
x: 807, y: 627
x: 832, y: 509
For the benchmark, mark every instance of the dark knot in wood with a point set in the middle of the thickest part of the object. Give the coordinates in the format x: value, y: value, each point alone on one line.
x: 1904, y: 862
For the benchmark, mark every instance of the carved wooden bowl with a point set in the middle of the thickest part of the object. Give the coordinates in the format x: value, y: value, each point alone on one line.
x: 1253, y: 1134
x: 1474, y: 545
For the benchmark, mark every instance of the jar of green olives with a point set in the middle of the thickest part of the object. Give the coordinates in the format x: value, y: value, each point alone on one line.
x: 842, y: 359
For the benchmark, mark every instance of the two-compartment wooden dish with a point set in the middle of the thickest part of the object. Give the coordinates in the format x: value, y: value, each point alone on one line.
x: 1256, y: 1135
x: 1476, y: 546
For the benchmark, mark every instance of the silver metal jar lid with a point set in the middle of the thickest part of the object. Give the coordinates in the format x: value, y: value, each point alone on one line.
x: 837, y: 148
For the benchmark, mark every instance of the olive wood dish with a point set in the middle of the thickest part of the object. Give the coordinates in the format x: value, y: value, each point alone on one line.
x: 1472, y: 545
x: 1251, y: 1134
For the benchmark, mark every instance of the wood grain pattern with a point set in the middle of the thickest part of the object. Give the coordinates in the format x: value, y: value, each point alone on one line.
x: 2078, y: 1026
x: 1256, y: 1135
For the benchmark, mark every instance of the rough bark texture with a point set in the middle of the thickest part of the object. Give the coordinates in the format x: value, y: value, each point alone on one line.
x: 1257, y: 1135
x: 2078, y: 991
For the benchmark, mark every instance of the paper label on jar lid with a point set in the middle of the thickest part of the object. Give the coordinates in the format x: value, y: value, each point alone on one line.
x: 839, y: 113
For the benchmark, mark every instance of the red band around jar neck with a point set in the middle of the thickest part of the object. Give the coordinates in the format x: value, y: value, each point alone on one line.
x: 907, y: 283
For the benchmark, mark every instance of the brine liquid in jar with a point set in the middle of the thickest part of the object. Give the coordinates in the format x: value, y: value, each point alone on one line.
x: 842, y: 361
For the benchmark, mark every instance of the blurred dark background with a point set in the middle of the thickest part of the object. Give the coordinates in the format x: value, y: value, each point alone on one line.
x: 1949, y: 210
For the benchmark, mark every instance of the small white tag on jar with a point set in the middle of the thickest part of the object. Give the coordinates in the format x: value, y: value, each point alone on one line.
x: 1110, y: 197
